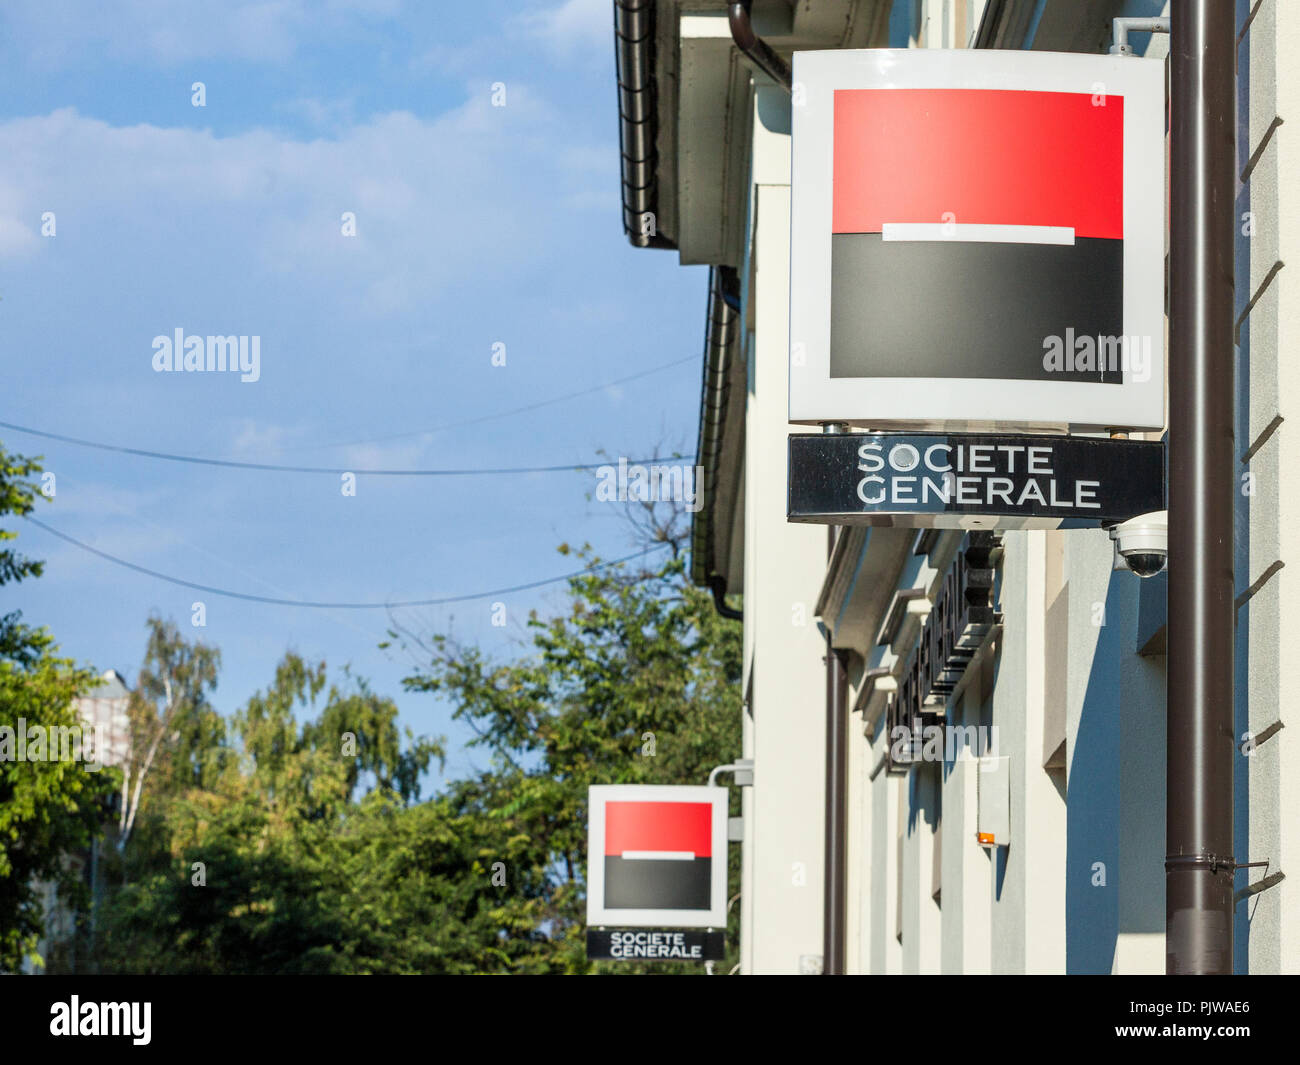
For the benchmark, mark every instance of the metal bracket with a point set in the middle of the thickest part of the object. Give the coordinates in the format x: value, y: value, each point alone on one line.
x: 1122, y: 27
x: 1260, y: 885
x: 1214, y: 861
x: 741, y: 770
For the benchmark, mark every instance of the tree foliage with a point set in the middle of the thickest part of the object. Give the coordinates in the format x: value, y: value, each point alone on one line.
x: 49, y: 806
x: 637, y: 682
x: 299, y: 844
x: 170, y: 715
x: 291, y: 837
x: 258, y: 856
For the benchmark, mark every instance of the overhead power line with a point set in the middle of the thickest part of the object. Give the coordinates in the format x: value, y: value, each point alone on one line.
x: 278, y: 468
x: 501, y: 414
x: 442, y: 601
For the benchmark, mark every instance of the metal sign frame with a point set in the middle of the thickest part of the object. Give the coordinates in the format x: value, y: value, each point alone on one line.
x: 598, y: 914
x: 974, y: 402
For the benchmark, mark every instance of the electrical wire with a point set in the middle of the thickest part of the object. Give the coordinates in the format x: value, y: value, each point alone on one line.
x: 443, y: 601
x: 500, y: 414
x: 277, y: 468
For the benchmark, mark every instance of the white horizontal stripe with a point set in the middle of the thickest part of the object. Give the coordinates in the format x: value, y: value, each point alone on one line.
x: 973, y: 231
x: 671, y: 856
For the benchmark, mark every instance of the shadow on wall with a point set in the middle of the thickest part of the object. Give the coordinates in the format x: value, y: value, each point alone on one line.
x: 924, y: 795
x: 1093, y: 812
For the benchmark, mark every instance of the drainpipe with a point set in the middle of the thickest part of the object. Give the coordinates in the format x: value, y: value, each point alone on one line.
x: 720, y: 337
x: 1198, y: 865
x: 834, y: 906
x: 634, y: 40
x: 753, y: 46
x: 718, y: 586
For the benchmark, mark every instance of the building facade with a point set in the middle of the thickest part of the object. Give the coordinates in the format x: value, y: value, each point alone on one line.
x: 1029, y: 837
x: 105, y: 722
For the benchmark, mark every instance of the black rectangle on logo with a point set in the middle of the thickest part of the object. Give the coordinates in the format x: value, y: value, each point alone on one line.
x: 975, y: 309
x: 657, y: 883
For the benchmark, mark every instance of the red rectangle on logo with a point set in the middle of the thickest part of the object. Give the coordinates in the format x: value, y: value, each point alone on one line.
x: 659, y: 826
x: 986, y: 156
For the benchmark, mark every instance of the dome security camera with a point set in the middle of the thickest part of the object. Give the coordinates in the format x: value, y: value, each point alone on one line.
x: 1142, y: 543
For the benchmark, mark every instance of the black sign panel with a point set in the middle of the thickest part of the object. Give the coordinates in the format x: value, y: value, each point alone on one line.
x: 654, y: 944
x: 972, y: 480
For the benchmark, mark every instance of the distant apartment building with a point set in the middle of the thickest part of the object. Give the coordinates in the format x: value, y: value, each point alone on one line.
x: 104, y: 715
x: 105, y: 726
x: 1044, y: 853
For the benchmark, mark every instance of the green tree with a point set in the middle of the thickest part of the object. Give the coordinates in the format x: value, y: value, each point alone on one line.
x: 636, y: 683
x: 176, y: 735
x: 52, y: 806
x: 311, y: 852
x: 276, y: 865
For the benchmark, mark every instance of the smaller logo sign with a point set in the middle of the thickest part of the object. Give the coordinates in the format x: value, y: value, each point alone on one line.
x: 972, y: 481
x: 656, y: 856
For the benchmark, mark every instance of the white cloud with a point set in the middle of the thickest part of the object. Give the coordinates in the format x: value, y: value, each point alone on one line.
x: 16, y: 239
x: 454, y: 197
x: 324, y: 115
x: 262, y: 443
x: 79, y: 498
x: 395, y: 456
x: 170, y: 33
x: 573, y: 26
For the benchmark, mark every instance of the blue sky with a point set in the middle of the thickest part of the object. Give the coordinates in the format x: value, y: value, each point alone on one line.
x: 475, y: 225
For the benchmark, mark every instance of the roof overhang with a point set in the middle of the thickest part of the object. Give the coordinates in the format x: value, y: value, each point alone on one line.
x: 706, y: 107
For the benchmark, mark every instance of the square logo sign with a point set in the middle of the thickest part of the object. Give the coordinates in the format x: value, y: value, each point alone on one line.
x: 977, y: 240
x: 656, y: 856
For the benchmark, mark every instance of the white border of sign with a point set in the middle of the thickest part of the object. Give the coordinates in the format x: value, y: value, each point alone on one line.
x: 963, y: 403
x: 597, y: 916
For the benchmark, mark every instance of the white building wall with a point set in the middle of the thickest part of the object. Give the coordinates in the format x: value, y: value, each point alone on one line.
x: 1028, y: 909
x: 968, y: 868
x: 885, y: 951
x: 1080, y: 888
x: 784, y: 564
x: 747, y: 809
x: 1140, y: 933
x: 921, y: 913
x: 1015, y: 909
x: 1271, y: 335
